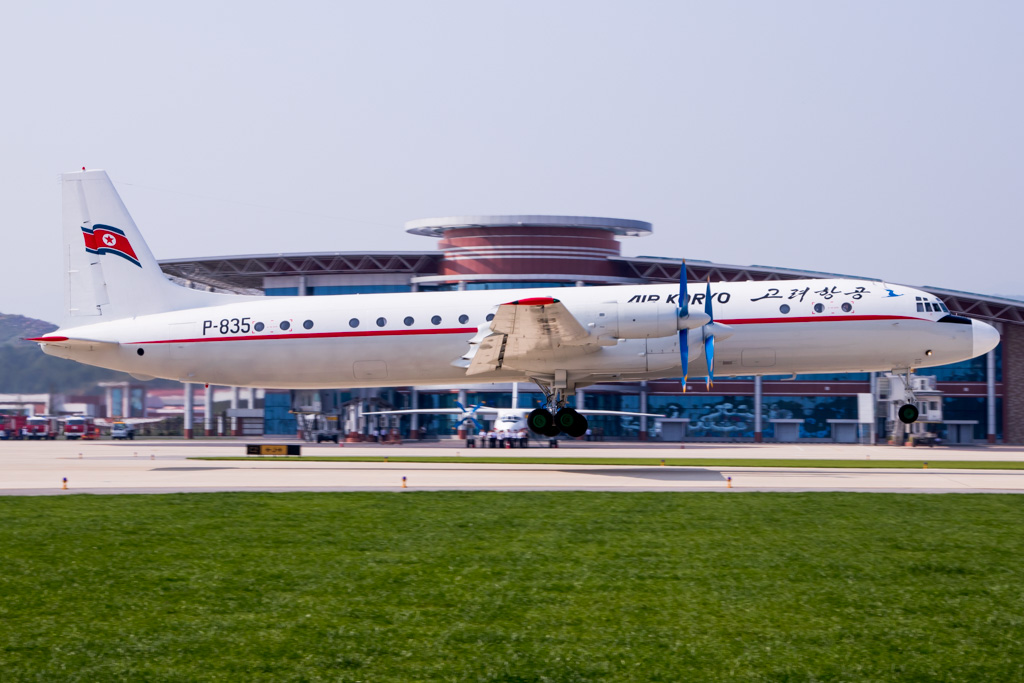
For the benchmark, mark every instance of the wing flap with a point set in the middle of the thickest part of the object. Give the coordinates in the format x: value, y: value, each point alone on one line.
x: 524, y: 332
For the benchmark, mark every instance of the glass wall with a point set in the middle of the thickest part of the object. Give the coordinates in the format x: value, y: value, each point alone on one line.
x: 337, y: 289
x: 971, y: 408
x: 451, y: 286
x: 613, y: 426
x: 827, y: 377
x: 277, y: 416
x: 972, y: 370
x: 358, y: 289
x: 733, y: 416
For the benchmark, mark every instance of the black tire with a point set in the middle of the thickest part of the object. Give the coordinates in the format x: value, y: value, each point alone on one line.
x: 908, y: 413
x: 540, y: 421
x: 571, y: 422
x: 552, y: 431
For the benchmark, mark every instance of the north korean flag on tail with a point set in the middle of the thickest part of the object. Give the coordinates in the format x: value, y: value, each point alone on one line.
x: 104, y: 239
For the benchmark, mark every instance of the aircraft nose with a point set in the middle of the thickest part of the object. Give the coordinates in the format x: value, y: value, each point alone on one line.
x: 986, y: 337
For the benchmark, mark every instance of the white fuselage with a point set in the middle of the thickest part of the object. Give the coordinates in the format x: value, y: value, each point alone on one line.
x: 372, y: 340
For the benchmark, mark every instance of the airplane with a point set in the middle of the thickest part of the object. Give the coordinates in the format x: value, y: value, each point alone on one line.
x: 123, y: 313
x: 504, y: 419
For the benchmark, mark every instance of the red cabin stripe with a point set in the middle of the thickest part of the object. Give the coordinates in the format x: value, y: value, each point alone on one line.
x: 315, y: 335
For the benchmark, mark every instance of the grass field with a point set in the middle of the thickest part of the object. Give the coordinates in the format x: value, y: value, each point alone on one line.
x: 467, y: 586
x: 640, y: 462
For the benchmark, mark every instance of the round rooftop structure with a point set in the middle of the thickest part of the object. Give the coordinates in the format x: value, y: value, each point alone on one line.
x: 527, y: 248
x: 436, y: 227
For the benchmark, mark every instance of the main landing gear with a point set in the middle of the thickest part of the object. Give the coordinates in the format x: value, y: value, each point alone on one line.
x: 557, y: 417
x: 567, y: 420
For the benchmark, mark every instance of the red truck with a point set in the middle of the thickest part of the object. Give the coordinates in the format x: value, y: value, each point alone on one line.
x: 77, y: 427
x: 37, y: 427
x: 13, y: 426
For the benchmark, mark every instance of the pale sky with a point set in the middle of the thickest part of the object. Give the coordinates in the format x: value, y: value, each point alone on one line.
x: 881, y: 139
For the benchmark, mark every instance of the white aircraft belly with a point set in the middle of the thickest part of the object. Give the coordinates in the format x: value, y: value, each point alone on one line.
x: 302, y: 363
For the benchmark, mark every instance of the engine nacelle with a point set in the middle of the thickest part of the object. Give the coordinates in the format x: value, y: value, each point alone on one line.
x: 646, y: 321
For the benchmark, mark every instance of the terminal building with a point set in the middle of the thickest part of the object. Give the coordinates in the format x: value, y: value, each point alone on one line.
x: 978, y: 400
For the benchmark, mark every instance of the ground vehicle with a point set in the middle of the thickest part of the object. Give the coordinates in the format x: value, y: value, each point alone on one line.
x: 13, y: 426
x: 38, y: 427
x: 120, y: 430
x: 76, y: 427
x: 319, y: 427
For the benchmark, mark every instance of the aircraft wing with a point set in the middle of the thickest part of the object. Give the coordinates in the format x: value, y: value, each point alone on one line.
x: 433, y: 411
x: 107, y: 421
x: 540, y: 328
x: 623, y: 413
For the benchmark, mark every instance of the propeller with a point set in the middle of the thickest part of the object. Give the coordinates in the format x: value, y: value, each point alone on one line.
x: 684, y: 333
x: 704, y: 320
x: 709, y: 338
x: 471, y: 417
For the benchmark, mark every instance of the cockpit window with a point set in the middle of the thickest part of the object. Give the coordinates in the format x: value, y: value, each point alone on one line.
x: 957, y: 319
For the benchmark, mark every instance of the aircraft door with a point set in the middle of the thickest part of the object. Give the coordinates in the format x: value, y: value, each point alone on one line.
x: 757, y: 358
x: 370, y: 369
x: 604, y: 319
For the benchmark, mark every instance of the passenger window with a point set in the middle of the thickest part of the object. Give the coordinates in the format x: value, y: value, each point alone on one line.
x: 285, y: 325
x: 258, y: 327
x: 784, y: 308
x: 463, y: 319
x: 819, y: 308
x: 408, y: 320
x: 490, y: 317
x: 381, y: 322
x: 354, y: 322
x: 308, y: 324
x: 847, y: 307
x: 436, y: 320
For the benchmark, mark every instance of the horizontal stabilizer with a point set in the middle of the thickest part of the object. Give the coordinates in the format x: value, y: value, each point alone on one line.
x: 57, y: 340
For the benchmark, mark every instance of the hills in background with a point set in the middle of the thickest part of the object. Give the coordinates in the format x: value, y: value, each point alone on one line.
x: 25, y: 369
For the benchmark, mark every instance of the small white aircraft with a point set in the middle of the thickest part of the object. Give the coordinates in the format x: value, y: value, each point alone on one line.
x: 504, y: 419
x: 124, y: 314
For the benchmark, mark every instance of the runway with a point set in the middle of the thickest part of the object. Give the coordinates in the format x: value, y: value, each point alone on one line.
x: 39, y: 468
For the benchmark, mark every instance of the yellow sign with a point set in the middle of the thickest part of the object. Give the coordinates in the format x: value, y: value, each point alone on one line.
x: 273, y: 449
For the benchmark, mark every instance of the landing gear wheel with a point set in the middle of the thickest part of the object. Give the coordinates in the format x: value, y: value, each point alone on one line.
x: 571, y: 422
x: 552, y: 431
x: 540, y: 421
x: 908, y: 413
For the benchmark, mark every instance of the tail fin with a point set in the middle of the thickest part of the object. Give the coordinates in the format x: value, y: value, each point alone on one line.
x: 110, y: 272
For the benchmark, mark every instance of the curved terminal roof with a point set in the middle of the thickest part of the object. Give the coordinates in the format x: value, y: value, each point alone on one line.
x: 246, y: 274
x: 436, y: 227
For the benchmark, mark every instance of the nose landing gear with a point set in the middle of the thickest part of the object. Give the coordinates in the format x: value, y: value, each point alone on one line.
x: 908, y: 413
